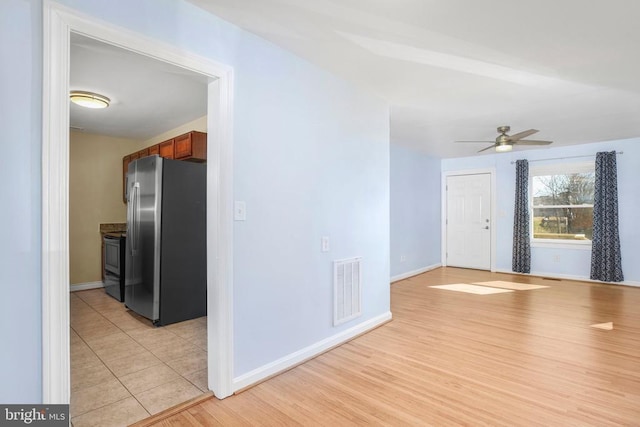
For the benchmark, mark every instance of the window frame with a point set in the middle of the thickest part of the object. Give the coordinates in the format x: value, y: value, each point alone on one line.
x: 564, y: 168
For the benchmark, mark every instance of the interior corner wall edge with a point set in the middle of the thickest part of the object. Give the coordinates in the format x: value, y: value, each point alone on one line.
x: 412, y: 273
x: 95, y: 197
x: 414, y: 210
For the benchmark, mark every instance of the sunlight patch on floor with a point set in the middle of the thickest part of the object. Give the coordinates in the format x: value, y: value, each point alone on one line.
x: 471, y: 289
x: 510, y: 285
x: 606, y: 326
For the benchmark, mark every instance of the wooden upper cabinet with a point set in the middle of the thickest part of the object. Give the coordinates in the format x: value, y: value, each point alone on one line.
x: 125, y: 163
x: 166, y: 149
x: 191, y: 146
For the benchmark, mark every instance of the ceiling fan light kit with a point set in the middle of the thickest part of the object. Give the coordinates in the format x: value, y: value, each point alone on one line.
x: 504, y: 142
x: 89, y: 99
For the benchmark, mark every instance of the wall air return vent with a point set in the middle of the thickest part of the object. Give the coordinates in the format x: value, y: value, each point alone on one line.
x: 347, y: 295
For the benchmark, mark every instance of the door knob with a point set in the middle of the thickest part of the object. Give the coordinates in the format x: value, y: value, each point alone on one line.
x: 487, y: 227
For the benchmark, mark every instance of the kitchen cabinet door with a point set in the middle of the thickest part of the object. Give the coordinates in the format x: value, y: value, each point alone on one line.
x: 166, y: 149
x: 191, y: 146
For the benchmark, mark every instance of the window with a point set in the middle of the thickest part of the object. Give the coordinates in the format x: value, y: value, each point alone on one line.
x: 562, y: 203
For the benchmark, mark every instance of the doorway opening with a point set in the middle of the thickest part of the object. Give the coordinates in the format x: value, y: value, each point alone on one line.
x: 117, y: 357
x: 59, y: 23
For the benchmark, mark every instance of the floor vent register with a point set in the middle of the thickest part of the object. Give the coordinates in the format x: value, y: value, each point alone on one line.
x: 347, y: 275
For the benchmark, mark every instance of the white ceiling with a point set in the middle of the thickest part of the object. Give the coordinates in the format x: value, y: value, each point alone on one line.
x: 148, y: 97
x: 457, y: 69
x: 450, y: 69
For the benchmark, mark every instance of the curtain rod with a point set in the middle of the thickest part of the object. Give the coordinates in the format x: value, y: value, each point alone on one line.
x: 570, y: 157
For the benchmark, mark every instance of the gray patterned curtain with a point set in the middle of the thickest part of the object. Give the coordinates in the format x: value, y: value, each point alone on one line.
x: 521, y: 262
x: 606, y: 259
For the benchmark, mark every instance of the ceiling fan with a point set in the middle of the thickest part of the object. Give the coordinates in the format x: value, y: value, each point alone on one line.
x: 505, y: 142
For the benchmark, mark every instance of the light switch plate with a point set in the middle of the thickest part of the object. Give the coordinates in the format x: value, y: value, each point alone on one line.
x: 239, y: 211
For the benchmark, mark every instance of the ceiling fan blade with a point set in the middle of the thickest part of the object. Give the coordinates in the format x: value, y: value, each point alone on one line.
x: 533, y: 142
x: 488, y: 148
x: 483, y: 142
x: 522, y: 134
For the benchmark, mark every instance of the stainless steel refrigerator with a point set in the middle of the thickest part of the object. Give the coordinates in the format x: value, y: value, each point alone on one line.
x: 165, y: 259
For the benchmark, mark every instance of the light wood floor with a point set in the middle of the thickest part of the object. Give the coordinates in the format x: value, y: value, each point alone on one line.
x: 525, y: 358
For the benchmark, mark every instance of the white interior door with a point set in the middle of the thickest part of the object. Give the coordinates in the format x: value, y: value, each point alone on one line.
x: 468, y: 221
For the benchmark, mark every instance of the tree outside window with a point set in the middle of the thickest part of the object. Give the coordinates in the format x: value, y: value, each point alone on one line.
x: 562, y: 205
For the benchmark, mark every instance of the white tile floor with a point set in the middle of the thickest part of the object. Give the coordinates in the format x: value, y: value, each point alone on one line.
x: 123, y: 369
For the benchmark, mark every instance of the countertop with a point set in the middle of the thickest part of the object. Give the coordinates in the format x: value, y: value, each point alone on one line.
x: 116, y: 227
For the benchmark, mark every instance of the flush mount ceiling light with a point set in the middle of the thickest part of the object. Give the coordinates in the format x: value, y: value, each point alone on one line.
x: 89, y: 99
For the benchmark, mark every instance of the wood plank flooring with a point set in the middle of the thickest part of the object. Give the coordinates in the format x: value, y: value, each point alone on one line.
x: 523, y: 358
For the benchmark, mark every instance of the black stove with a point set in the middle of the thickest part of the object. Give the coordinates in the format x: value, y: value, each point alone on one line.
x: 114, y: 247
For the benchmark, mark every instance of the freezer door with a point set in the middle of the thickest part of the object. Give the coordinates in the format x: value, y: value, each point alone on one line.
x: 142, y: 270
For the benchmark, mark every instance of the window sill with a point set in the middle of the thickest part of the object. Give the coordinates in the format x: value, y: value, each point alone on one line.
x: 561, y: 244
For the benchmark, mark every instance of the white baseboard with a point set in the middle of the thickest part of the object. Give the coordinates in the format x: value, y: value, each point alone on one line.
x: 408, y: 274
x: 569, y: 277
x: 85, y: 286
x: 300, y: 356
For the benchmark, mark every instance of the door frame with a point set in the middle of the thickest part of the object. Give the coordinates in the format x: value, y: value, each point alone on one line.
x: 443, y: 204
x: 58, y: 22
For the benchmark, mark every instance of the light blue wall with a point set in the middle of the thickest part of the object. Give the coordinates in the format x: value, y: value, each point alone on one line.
x: 415, y: 210
x: 311, y: 158
x: 20, y: 117
x: 564, y: 262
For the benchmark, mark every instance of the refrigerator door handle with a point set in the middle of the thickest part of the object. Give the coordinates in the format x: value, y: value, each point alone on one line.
x: 130, y: 225
x: 135, y: 217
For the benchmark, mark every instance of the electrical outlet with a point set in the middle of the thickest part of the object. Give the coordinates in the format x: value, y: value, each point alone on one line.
x: 403, y: 258
x: 325, y: 244
x: 239, y: 211
x: 556, y: 258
